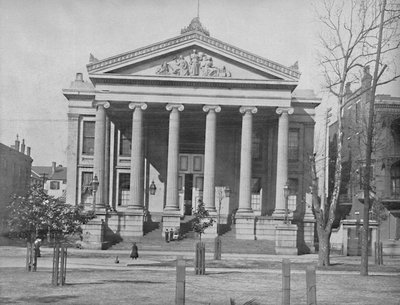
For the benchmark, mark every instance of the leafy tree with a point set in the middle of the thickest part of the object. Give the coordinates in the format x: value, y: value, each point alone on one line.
x: 201, y: 219
x: 37, y: 214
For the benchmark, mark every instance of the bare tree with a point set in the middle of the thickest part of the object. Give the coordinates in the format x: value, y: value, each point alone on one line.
x: 350, y: 41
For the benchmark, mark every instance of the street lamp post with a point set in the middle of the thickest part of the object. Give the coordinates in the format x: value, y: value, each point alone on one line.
x: 286, y: 195
x: 95, y: 186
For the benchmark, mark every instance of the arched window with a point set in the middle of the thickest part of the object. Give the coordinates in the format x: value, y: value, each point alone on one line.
x: 395, y: 179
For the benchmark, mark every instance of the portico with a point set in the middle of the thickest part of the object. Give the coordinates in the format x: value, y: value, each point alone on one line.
x: 191, y: 115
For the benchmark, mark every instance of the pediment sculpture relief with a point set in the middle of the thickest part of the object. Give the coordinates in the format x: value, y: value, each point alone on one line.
x: 197, y: 64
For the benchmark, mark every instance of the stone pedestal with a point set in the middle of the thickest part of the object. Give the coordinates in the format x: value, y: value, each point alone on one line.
x: 266, y: 227
x: 132, y: 225
x: 93, y: 235
x: 286, y: 239
x: 309, y: 234
x: 245, y: 226
x: 171, y: 220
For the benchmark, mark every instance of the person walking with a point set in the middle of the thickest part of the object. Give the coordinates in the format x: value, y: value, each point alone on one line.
x: 166, y: 236
x: 37, y: 244
x: 134, y: 252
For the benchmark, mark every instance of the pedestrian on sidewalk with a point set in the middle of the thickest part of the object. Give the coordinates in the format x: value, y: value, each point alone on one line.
x: 134, y: 252
x: 171, y: 234
x: 166, y: 236
x: 36, y: 245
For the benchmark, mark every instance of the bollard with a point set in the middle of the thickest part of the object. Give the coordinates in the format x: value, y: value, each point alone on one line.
x: 285, y: 281
x: 217, y: 248
x: 311, y: 286
x: 180, y: 281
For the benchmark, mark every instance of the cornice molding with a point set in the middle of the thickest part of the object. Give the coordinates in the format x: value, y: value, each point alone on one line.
x: 192, y: 36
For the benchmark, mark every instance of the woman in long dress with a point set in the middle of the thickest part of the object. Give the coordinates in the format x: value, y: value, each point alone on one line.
x: 134, y: 252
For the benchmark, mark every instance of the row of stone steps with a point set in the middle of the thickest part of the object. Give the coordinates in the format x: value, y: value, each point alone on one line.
x: 154, y: 240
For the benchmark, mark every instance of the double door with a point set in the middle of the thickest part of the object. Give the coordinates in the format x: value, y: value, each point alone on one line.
x: 191, y: 182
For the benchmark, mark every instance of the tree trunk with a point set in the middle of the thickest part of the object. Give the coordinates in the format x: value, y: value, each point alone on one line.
x: 324, y: 248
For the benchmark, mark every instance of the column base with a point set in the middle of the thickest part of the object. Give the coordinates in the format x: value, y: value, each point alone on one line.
x: 132, y: 225
x: 93, y: 235
x: 170, y: 220
x: 286, y: 239
x: 280, y: 215
x: 245, y: 226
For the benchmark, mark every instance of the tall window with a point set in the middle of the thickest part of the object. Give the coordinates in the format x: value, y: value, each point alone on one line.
x: 88, y: 138
x: 256, y: 194
x: 256, y: 149
x: 395, y: 179
x: 293, y: 190
x: 293, y: 149
x: 86, y: 188
x: 125, y: 143
x: 124, y: 189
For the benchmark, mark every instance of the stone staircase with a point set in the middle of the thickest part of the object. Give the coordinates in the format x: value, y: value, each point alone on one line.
x: 154, y: 240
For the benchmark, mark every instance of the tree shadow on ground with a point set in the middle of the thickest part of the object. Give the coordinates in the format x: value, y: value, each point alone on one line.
x: 113, y: 281
x: 50, y: 299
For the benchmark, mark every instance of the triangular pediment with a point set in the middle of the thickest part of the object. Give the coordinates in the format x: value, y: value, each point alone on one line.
x: 193, y: 55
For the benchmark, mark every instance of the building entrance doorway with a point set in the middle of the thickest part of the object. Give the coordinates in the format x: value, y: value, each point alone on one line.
x: 190, y: 182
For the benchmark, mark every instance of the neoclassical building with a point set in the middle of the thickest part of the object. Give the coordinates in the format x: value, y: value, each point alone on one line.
x: 183, y: 120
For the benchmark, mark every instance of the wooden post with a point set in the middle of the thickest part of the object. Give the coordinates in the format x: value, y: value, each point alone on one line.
x: 200, y: 258
x: 311, y: 286
x: 28, y: 257
x: 56, y: 263
x: 61, y: 277
x: 180, y: 281
x: 65, y: 267
x: 380, y: 253
x: 217, y: 248
x: 285, y: 281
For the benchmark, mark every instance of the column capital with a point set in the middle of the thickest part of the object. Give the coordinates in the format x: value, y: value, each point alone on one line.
x: 105, y: 104
x: 250, y: 109
x: 207, y: 108
x: 280, y: 110
x: 133, y: 105
x: 180, y: 107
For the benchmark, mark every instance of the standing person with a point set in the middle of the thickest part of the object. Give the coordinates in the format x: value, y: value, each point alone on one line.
x: 37, y: 245
x: 134, y: 252
x: 166, y: 236
x: 171, y: 234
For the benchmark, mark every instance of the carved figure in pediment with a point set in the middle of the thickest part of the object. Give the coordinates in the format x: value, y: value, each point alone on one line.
x: 194, y: 63
x: 163, y: 69
x: 183, y: 66
x: 199, y: 65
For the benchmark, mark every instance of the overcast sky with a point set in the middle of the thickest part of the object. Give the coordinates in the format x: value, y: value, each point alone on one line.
x: 44, y: 43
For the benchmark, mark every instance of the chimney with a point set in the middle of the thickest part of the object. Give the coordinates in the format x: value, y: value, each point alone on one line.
x: 23, y: 146
x: 16, y: 146
x: 28, y: 151
x: 53, y: 167
x: 79, y: 77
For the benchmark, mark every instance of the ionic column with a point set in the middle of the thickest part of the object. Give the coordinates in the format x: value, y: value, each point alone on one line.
x: 172, y: 203
x: 245, y: 160
x: 209, y: 157
x: 282, y: 159
x: 99, y: 150
x: 137, y: 161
